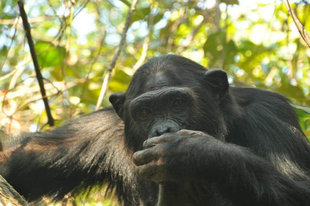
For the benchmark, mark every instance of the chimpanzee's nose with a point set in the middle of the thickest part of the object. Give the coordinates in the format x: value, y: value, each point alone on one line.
x: 161, y: 130
x: 162, y: 127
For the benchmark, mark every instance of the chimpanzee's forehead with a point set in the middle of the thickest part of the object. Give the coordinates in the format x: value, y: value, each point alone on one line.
x: 160, y: 80
x: 165, y: 71
x: 172, y: 63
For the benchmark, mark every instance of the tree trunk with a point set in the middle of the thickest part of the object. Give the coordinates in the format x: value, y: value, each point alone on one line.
x: 9, y: 196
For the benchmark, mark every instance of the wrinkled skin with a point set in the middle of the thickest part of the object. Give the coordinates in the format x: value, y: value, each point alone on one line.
x: 161, y: 156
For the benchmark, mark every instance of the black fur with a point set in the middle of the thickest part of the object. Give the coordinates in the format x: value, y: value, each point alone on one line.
x: 84, y: 152
x: 264, y: 159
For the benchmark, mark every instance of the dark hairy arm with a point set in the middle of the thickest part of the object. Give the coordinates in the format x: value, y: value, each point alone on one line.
x: 238, y: 174
x: 86, y: 151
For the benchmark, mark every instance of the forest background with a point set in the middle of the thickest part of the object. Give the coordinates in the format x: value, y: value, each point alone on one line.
x: 255, y: 42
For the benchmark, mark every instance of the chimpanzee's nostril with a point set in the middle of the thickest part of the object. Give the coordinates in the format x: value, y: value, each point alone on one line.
x: 158, y: 133
x: 162, y: 130
x: 163, y: 127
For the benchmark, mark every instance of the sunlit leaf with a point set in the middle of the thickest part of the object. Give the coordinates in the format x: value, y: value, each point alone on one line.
x: 230, y: 2
x: 140, y: 14
x: 48, y: 54
x: 305, y: 109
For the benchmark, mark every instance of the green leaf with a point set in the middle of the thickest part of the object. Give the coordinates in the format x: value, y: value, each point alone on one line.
x: 230, y: 50
x: 48, y: 54
x: 305, y: 109
x: 140, y: 14
x: 230, y: 2
x: 119, y: 81
x: 125, y: 2
x: 214, y: 45
x: 158, y: 17
x: 121, y: 76
x: 3, y: 52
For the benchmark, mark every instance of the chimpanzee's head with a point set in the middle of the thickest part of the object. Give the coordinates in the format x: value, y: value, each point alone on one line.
x: 170, y: 93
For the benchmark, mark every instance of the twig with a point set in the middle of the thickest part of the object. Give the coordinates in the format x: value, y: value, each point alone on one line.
x: 35, y: 62
x: 11, y: 43
x: 81, y: 8
x: 175, y: 25
x: 145, y: 47
x: 116, y: 55
x: 191, y: 37
x: 300, y: 27
x: 146, y: 42
x: 31, y: 20
x: 8, y: 75
x: 205, y: 14
x: 92, y: 62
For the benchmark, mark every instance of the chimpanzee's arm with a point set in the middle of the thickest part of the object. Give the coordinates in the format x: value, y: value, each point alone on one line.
x: 84, y: 152
x: 238, y: 174
x: 248, y: 179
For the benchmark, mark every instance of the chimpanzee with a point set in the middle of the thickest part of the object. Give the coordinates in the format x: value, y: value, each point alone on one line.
x: 185, y: 129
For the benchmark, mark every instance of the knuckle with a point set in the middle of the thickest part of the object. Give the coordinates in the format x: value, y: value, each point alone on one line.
x: 154, y: 140
x: 146, y: 143
x: 200, y: 133
x: 184, y: 131
x: 191, y: 132
x: 160, y: 150
x: 139, y: 157
x: 135, y: 156
x: 164, y: 136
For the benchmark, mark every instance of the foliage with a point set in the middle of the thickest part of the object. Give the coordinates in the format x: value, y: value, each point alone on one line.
x: 256, y: 42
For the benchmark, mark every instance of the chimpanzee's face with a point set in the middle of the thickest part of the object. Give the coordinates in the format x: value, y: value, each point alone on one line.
x: 164, y: 110
x: 167, y: 94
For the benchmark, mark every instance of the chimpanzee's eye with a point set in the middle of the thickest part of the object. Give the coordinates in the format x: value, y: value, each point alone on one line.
x: 144, y: 111
x: 141, y: 113
x: 178, y: 101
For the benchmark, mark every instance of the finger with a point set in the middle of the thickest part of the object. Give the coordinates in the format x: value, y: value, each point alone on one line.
x: 148, y: 171
x: 151, y: 142
x: 143, y: 157
x: 191, y: 132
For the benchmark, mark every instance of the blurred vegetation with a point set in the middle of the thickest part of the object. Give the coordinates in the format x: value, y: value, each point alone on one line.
x: 255, y: 42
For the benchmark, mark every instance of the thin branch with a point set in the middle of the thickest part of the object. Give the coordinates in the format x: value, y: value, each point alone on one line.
x: 31, y: 20
x: 217, y: 17
x: 142, y: 58
x: 11, y: 43
x: 8, y: 75
x: 300, y: 27
x: 35, y: 61
x: 92, y: 62
x: 15, y: 77
x: 175, y: 25
x: 54, y: 88
x: 81, y: 8
x: 191, y: 37
x: 146, y: 42
x: 116, y: 55
x: 98, y: 53
x: 206, y: 17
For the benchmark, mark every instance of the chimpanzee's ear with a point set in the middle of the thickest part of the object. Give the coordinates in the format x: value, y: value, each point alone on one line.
x: 117, y: 100
x: 217, y: 80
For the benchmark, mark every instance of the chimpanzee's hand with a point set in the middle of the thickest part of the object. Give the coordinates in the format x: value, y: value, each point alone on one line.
x: 173, y: 156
